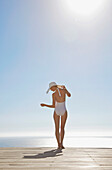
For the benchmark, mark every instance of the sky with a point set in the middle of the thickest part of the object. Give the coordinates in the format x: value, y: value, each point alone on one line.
x: 55, y: 40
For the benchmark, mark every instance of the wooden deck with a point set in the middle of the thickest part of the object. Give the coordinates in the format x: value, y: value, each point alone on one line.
x: 50, y: 158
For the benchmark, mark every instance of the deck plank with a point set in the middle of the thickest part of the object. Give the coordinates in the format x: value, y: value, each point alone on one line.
x: 16, y: 158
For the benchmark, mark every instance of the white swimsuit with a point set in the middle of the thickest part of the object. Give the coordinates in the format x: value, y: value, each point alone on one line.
x: 60, y: 107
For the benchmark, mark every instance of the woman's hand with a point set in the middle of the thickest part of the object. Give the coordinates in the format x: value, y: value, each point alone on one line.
x: 42, y: 104
x: 63, y: 87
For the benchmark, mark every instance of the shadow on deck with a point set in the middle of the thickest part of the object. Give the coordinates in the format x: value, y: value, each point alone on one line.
x: 51, y: 153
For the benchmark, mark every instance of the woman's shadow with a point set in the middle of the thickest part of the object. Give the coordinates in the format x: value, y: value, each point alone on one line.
x: 51, y: 153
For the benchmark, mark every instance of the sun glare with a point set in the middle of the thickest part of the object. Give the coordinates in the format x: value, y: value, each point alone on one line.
x: 84, y: 8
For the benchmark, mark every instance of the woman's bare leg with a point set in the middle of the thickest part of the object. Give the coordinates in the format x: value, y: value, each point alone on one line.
x: 57, y: 120
x: 63, y: 121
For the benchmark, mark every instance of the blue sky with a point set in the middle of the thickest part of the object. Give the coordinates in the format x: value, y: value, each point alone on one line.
x: 40, y: 42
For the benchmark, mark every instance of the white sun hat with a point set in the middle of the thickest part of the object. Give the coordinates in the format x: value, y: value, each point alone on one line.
x: 51, y: 85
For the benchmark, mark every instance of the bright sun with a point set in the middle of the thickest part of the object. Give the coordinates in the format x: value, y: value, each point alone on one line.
x: 84, y: 7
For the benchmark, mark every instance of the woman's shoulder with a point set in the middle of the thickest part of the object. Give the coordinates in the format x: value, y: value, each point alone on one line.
x: 63, y: 90
x: 53, y: 94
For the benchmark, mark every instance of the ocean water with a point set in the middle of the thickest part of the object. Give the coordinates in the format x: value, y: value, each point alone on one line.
x: 47, y: 141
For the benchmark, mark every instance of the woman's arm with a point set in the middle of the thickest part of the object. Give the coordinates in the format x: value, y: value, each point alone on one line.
x: 53, y: 103
x: 42, y: 104
x: 67, y: 92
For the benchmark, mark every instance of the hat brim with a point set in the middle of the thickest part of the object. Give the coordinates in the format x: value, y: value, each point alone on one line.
x: 50, y: 87
x: 47, y: 90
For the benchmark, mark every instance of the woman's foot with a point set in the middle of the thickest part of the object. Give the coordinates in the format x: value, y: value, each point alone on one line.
x: 60, y: 146
x: 63, y: 147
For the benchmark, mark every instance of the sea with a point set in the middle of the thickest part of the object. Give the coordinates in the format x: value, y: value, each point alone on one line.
x: 50, y: 141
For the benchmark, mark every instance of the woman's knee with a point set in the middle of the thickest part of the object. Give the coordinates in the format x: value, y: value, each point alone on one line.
x: 62, y: 129
x: 57, y: 130
x: 57, y: 133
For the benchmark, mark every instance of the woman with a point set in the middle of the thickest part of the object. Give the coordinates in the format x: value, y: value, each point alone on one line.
x: 58, y: 102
